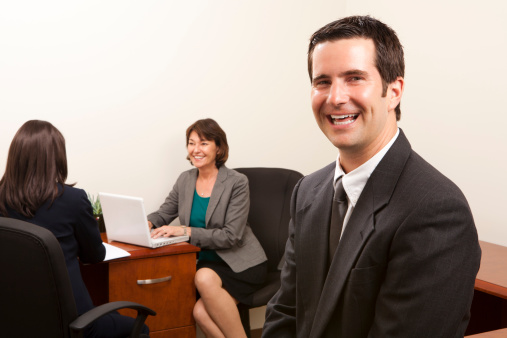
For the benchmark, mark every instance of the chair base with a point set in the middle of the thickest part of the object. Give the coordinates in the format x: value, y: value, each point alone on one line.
x: 244, y: 315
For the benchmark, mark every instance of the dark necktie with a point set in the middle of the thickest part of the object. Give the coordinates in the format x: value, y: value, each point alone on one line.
x: 337, y: 215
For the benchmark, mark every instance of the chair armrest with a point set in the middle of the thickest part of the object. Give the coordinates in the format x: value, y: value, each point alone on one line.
x: 87, y: 318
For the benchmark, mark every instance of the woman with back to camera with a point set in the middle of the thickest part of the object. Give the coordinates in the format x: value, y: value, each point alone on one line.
x: 33, y: 189
x: 212, y: 202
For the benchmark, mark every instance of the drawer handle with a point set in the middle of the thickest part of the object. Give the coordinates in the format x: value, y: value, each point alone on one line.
x: 154, y: 281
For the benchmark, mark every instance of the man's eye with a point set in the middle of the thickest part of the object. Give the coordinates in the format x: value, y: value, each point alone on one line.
x: 323, y: 83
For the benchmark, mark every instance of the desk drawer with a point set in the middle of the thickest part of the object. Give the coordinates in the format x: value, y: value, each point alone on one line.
x: 181, y: 332
x: 173, y: 300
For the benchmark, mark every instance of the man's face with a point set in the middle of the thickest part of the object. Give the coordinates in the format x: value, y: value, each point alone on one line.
x: 347, y: 97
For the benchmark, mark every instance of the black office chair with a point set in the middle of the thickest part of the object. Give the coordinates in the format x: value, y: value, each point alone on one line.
x: 35, y: 291
x: 270, y: 195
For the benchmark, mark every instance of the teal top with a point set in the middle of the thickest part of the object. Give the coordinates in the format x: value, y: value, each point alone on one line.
x: 198, y: 220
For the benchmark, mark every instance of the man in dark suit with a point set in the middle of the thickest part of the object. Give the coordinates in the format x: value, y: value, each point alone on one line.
x: 395, y: 252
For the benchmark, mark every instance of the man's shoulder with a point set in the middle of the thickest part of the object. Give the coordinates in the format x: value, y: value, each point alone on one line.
x: 401, y: 160
x: 429, y: 176
x: 318, y: 177
x: 323, y: 172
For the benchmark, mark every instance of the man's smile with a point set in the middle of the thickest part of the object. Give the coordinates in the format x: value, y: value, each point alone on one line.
x: 342, y: 119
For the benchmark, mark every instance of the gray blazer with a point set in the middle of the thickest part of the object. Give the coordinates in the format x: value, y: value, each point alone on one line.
x: 227, y: 230
x: 404, y: 267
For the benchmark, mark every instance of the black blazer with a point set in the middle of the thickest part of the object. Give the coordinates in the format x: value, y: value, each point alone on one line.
x: 405, y: 265
x: 70, y: 219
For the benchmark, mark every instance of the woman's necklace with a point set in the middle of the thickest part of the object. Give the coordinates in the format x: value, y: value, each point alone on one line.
x: 206, y: 186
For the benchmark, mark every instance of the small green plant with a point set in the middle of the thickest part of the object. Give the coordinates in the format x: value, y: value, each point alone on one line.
x: 97, y: 207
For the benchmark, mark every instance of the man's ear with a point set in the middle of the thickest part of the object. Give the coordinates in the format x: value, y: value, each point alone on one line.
x: 394, y: 92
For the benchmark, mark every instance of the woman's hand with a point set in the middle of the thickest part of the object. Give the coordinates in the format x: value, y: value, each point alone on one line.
x: 170, y: 230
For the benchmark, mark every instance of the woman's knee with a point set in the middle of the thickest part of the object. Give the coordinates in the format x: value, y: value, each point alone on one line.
x: 199, y: 312
x: 206, y: 279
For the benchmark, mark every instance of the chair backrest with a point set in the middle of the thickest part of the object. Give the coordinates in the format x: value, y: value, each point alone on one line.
x: 270, y: 195
x: 35, y: 289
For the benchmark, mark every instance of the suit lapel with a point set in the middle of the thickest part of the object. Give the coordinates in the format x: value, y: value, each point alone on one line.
x: 376, y: 194
x: 188, y: 197
x: 218, y: 189
x: 355, y: 235
x: 313, y: 240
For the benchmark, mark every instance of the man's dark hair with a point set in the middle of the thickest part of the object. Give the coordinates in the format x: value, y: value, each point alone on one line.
x: 389, y: 60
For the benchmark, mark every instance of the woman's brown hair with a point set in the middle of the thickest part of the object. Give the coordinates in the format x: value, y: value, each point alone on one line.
x: 36, y: 164
x: 208, y: 129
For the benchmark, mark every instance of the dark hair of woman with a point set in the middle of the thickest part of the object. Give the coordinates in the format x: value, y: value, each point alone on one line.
x: 36, y: 164
x: 208, y: 129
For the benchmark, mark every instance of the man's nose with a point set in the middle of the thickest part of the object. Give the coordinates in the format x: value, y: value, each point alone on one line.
x: 338, y: 94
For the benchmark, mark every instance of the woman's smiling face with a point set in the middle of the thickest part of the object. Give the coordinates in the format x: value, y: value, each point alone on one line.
x: 202, y: 153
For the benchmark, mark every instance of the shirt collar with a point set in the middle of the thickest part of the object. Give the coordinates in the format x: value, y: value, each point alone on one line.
x: 354, y: 181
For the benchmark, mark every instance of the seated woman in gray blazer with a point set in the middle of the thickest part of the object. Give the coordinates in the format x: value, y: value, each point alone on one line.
x: 212, y: 202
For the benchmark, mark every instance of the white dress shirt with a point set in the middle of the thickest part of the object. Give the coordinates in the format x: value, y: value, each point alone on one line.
x: 354, y: 181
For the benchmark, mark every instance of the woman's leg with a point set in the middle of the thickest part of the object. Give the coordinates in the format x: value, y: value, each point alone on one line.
x: 207, y: 325
x: 218, y: 304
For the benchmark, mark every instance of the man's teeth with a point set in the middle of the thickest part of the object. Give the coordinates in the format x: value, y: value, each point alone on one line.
x: 338, y: 119
x: 341, y: 117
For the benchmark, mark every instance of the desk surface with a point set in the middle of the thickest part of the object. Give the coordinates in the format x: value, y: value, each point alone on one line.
x: 491, y: 334
x: 492, y: 276
x: 142, y: 252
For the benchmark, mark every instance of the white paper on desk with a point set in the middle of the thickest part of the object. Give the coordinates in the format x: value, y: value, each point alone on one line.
x: 113, y: 252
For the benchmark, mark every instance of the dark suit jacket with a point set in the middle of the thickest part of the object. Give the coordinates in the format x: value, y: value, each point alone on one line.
x: 70, y: 219
x: 227, y: 230
x: 405, y: 266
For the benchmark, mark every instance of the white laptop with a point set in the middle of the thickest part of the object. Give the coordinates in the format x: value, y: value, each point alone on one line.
x: 125, y: 220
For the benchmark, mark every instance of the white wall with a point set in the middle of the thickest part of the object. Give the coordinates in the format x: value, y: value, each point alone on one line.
x: 123, y: 79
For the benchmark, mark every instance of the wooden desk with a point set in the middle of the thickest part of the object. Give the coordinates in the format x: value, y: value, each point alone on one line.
x: 173, y: 300
x: 492, y: 276
x: 491, y: 334
x: 489, y: 306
